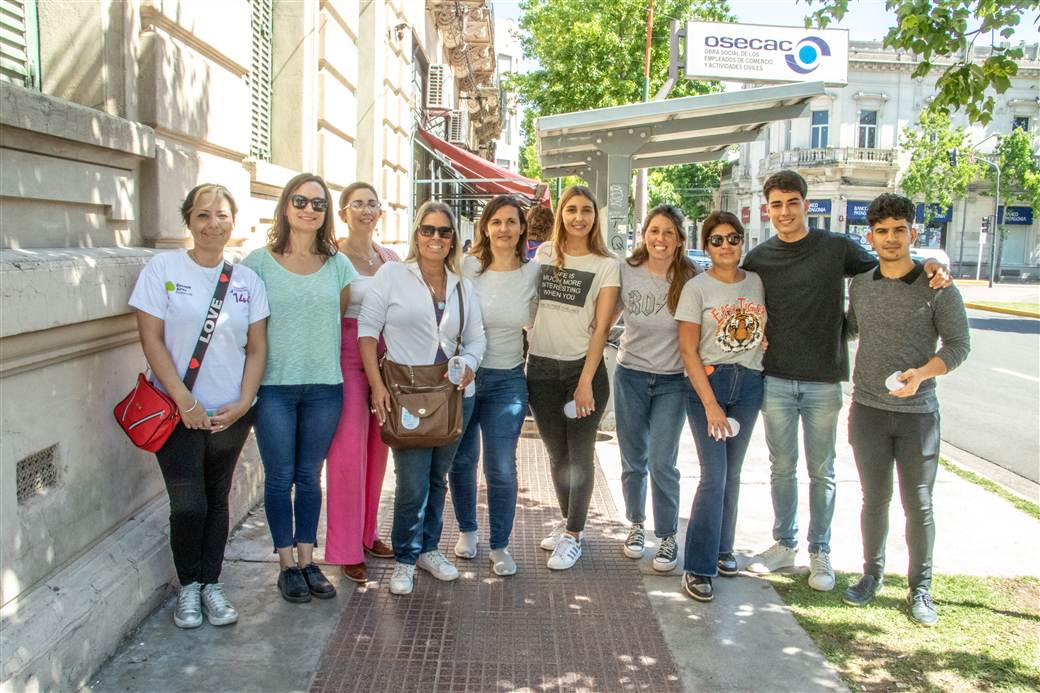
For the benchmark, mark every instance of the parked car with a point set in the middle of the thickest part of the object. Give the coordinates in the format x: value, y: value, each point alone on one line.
x: 699, y: 257
x: 922, y: 254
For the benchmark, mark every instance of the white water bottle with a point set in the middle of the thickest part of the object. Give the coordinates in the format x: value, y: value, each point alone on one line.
x: 456, y: 369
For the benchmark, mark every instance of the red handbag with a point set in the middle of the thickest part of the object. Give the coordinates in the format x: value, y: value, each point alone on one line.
x: 148, y: 415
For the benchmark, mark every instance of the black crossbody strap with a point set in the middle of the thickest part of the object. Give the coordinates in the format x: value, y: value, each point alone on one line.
x: 209, y: 325
x: 462, y: 318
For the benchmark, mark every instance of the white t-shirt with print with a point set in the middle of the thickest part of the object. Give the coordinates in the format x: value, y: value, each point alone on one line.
x: 567, y: 302
x: 175, y: 289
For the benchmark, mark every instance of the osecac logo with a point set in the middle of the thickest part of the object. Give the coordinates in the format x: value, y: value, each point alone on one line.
x: 803, y: 57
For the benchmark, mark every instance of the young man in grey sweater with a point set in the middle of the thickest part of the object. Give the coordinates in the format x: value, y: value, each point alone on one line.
x: 894, y: 419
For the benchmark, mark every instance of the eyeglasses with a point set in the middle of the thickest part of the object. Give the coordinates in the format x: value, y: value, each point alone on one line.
x: 733, y: 239
x: 358, y: 205
x: 318, y: 204
x: 445, y: 232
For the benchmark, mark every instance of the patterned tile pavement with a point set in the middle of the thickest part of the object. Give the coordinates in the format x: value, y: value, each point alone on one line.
x: 590, y: 628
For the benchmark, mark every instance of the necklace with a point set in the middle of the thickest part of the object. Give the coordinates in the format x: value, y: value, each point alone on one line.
x: 438, y: 301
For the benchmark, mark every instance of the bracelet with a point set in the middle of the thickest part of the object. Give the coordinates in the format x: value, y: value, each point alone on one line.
x: 188, y: 411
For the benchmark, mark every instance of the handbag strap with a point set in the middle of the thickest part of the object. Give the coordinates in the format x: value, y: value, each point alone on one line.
x: 462, y: 318
x: 209, y: 325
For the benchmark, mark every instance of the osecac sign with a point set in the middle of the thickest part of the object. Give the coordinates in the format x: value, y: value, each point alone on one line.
x: 758, y: 53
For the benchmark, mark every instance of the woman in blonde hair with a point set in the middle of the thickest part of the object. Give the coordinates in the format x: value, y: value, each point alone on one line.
x: 566, y: 379
x: 417, y: 306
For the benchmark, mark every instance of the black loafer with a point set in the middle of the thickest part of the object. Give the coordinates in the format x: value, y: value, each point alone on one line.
x: 318, y: 584
x: 293, y: 586
x: 727, y: 565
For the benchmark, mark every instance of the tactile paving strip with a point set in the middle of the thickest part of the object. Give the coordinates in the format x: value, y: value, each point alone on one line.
x: 590, y: 628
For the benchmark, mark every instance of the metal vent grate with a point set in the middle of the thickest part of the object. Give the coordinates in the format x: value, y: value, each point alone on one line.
x: 37, y: 473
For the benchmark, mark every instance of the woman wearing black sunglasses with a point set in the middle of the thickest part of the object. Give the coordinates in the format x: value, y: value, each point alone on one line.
x: 722, y: 318
x: 301, y: 395
x: 415, y: 306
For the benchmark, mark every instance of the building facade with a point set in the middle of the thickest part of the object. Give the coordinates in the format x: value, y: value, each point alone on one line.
x: 110, y: 111
x: 847, y: 147
x: 508, y: 145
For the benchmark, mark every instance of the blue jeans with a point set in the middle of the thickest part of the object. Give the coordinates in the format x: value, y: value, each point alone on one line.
x: 648, y: 409
x: 419, y: 495
x: 499, y: 408
x: 817, y: 406
x: 713, y: 520
x: 294, y: 428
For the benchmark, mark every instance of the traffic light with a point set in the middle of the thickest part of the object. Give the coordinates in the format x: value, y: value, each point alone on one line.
x: 953, y: 158
x: 984, y: 229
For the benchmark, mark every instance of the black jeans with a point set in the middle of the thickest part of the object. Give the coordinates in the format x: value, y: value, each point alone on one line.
x: 197, y: 467
x: 571, y: 443
x: 880, y: 438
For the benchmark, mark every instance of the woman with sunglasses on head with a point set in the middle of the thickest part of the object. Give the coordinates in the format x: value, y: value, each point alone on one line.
x: 172, y: 298
x: 649, y: 385
x: 357, y: 456
x: 506, y: 285
x: 417, y: 306
x: 301, y: 396
x: 722, y: 318
x: 577, y: 296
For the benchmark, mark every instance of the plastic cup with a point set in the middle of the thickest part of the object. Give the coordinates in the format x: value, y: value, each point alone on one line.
x: 893, y: 382
x: 456, y: 369
x: 734, y: 427
x: 570, y: 410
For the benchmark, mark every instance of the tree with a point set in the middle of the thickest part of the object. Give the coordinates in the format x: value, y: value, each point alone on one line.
x: 590, y: 55
x: 1019, y: 177
x: 687, y: 187
x: 931, y: 176
x: 949, y: 28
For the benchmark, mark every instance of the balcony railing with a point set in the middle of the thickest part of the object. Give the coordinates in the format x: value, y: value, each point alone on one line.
x: 829, y: 156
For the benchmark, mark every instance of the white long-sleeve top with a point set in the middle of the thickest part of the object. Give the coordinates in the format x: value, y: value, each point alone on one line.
x: 398, y: 305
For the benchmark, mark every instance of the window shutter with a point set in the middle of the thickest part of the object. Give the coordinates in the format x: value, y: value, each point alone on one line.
x: 19, y: 43
x: 260, y: 78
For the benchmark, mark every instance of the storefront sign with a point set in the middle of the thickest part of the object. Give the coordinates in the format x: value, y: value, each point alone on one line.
x: 1016, y: 216
x: 819, y: 208
x: 939, y: 215
x: 858, y: 210
x: 745, y: 215
x: 763, y: 214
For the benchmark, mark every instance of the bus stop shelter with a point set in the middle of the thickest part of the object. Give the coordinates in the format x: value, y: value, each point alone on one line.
x: 604, y: 145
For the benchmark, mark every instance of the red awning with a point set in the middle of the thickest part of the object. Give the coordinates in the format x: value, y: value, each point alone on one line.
x: 484, y: 176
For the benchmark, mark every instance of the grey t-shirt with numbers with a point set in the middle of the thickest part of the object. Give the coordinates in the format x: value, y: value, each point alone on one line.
x: 732, y: 318
x: 650, y: 341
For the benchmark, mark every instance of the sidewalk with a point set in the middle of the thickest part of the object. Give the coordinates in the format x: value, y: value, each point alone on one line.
x: 977, y: 294
x: 609, y: 624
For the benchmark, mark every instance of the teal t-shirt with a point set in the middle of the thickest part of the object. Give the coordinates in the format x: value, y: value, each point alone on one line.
x: 303, y: 332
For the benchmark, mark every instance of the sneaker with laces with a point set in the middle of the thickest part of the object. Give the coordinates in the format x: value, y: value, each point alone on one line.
x: 922, y: 610
x: 403, y: 579
x: 188, y: 613
x: 216, y: 606
x: 434, y: 563
x: 774, y: 558
x: 863, y: 592
x: 821, y: 574
x: 466, y: 546
x: 566, y: 553
x: 667, y: 555
x: 502, y: 562
x: 636, y: 541
x: 549, y: 543
x: 698, y: 586
x: 727, y: 565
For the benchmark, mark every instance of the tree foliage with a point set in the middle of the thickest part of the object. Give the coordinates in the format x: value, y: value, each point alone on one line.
x: 590, y: 55
x: 1019, y: 171
x: 930, y: 175
x: 688, y: 187
x: 933, y: 29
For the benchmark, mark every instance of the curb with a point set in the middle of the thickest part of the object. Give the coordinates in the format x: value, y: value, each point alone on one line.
x: 1006, y: 311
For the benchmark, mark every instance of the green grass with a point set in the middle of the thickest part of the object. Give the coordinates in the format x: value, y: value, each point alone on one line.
x: 987, y: 638
x: 1022, y: 504
x: 1012, y: 305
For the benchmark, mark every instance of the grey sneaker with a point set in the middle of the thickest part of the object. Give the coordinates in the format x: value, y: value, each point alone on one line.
x: 863, y: 592
x: 466, y: 546
x: 216, y: 606
x: 922, y: 610
x: 774, y: 558
x: 821, y: 574
x: 667, y: 555
x: 188, y: 613
x: 636, y: 541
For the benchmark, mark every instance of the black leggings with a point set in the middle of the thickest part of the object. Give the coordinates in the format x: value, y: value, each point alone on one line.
x: 571, y: 443
x: 197, y: 467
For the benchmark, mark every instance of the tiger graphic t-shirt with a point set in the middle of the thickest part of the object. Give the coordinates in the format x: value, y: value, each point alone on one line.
x: 732, y: 318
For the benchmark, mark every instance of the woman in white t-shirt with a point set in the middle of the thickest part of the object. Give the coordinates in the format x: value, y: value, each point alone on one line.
x: 357, y: 457
x: 649, y: 385
x: 577, y: 294
x: 505, y: 282
x: 172, y: 297
x: 722, y: 320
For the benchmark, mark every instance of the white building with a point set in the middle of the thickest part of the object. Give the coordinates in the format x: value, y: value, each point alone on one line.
x: 847, y: 148
x: 508, y: 145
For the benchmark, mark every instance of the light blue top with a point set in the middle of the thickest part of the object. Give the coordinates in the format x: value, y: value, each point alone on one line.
x: 303, y: 332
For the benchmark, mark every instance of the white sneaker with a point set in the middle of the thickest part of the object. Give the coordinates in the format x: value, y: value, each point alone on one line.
x: 403, y: 579
x: 216, y: 606
x: 566, y: 553
x: 188, y: 613
x: 466, y: 546
x: 502, y: 562
x: 821, y: 575
x: 774, y: 558
x: 434, y: 563
x: 549, y: 543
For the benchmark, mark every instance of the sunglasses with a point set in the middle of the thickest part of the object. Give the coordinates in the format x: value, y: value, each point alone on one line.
x: 358, y: 205
x: 733, y: 239
x: 445, y: 232
x: 318, y: 204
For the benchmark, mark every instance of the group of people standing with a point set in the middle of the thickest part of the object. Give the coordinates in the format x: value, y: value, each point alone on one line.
x: 296, y: 355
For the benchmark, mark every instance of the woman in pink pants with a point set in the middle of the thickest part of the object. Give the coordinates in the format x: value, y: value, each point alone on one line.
x: 357, y: 457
